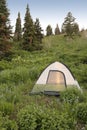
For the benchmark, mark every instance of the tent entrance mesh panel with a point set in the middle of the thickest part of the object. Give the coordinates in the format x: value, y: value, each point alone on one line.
x: 56, y: 77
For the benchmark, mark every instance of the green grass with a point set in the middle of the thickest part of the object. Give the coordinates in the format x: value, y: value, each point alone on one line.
x: 25, y: 67
x: 18, y: 76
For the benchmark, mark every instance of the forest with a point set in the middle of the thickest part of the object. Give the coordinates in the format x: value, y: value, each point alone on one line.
x: 24, y: 54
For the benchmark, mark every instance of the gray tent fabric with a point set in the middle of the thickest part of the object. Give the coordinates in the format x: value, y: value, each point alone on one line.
x: 55, y: 78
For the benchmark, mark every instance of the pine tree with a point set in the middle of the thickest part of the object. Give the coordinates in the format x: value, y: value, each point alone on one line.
x: 68, y: 24
x: 37, y: 45
x: 38, y: 31
x: 49, y: 30
x: 5, y: 28
x: 57, y: 30
x: 18, y: 30
x: 28, y: 35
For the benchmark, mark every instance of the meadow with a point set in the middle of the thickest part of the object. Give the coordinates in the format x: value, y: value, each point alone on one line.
x: 18, y: 74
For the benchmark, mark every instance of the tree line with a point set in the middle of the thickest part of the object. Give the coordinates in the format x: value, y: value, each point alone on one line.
x: 31, y: 34
x: 69, y: 27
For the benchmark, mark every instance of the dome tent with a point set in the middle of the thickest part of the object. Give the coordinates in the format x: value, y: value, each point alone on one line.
x: 55, y: 78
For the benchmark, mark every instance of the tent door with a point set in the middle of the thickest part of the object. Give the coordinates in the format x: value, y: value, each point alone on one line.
x: 56, y: 77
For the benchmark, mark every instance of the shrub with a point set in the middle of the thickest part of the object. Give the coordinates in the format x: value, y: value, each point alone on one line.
x: 82, y: 112
x: 26, y: 119
x: 7, y: 124
x: 17, y: 76
x: 57, y: 121
x: 41, y: 118
x: 5, y: 65
x: 72, y: 96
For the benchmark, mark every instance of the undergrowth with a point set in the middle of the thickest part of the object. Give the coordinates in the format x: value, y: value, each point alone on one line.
x: 18, y: 76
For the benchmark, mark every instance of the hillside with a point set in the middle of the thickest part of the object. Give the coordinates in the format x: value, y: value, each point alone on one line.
x: 18, y: 76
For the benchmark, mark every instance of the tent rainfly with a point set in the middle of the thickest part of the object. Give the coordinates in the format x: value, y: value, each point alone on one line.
x: 55, y: 78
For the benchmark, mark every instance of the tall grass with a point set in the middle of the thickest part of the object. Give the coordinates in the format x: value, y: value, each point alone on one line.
x: 18, y: 76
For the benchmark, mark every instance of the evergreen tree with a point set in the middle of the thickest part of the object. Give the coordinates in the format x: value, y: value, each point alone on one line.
x: 28, y: 29
x: 49, y: 30
x: 5, y: 28
x: 38, y: 31
x: 18, y: 30
x: 57, y: 30
x: 68, y: 25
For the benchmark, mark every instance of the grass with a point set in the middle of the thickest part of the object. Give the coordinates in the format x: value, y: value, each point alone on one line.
x: 18, y: 76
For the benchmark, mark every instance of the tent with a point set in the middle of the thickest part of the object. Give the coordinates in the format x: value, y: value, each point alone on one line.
x: 55, y: 78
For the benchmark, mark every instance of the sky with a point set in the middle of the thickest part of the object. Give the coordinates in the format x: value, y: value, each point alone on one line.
x: 49, y: 11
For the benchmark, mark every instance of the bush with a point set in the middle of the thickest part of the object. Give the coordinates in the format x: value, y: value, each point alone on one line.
x: 41, y: 118
x: 72, y: 96
x: 26, y: 119
x: 7, y: 124
x: 17, y: 76
x: 82, y: 112
x: 5, y: 65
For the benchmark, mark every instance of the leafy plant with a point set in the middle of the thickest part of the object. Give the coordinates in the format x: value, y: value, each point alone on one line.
x: 72, y: 96
x: 41, y: 118
x: 82, y: 112
x: 6, y: 108
x: 7, y: 124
